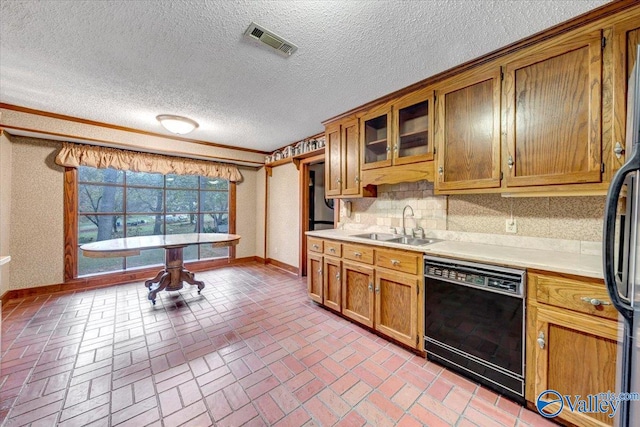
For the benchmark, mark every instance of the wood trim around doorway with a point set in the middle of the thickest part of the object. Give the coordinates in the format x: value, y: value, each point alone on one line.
x: 304, y: 209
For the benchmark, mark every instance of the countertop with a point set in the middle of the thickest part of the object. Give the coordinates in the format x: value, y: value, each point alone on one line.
x: 554, y: 261
x: 4, y: 259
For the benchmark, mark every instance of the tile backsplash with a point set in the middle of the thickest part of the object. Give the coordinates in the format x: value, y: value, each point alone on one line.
x: 385, y: 211
x: 568, y: 218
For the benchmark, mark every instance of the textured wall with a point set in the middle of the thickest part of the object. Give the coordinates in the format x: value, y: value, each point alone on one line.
x: 261, y: 177
x: 386, y: 210
x: 5, y: 209
x: 246, y: 213
x: 283, y: 226
x: 36, y: 214
x: 571, y: 218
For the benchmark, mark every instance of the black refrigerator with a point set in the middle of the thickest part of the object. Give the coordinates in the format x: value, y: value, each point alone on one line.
x: 621, y: 258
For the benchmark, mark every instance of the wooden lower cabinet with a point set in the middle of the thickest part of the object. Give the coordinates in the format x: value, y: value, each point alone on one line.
x: 396, y: 306
x: 332, y: 287
x: 315, y: 277
x: 569, y: 351
x: 375, y: 287
x: 357, y: 293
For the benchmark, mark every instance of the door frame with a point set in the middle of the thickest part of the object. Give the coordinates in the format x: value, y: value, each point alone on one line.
x: 304, y: 208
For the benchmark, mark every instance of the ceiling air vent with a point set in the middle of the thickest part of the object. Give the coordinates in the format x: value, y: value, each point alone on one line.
x: 264, y: 36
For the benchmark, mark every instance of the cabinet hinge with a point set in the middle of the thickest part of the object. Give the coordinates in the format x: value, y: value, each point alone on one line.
x: 501, y: 74
x: 418, y: 290
x: 604, y: 42
x: 417, y: 339
x: 501, y: 176
x: 602, y: 168
x: 434, y: 150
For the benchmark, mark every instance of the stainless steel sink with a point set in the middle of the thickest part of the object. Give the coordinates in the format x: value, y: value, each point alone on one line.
x: 393, y: 238
x: 406, y: 240
x: 376, y: 236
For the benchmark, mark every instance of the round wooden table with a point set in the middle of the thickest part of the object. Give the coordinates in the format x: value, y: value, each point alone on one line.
x: 173, y: 275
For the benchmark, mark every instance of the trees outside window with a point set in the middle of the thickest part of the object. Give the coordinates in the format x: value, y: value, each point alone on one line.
x: 113, y: 204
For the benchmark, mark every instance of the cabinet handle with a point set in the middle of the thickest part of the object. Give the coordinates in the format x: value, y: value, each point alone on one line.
x: 319, y: 272
x: 540, y: 340
x: 595, y: 301
x: 510, y: 162
x: 332, y: 250
x: 440, y: 170
x: 370, y: 287
x: 377, y: 289
x: 356, y: 179
x: 338, y: 277
x: 338, y: 180
x: 357, y: 254
x: 395, y: 262
x: 395, y: 148
x: 314, y: 246
x: 388, y: 148
x: 618, y: 150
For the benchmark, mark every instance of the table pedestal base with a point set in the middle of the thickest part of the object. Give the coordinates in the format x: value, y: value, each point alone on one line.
x: 173, y: 275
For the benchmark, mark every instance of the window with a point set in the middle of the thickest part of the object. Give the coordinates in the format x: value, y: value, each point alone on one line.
x: 113, y: 204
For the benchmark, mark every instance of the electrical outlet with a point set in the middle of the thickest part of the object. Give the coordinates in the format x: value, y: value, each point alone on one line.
x: 511, y: 226
x: 357, y: 217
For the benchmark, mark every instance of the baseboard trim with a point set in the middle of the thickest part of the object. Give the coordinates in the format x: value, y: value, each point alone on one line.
x: 105, y: 280
x: 283, y: 266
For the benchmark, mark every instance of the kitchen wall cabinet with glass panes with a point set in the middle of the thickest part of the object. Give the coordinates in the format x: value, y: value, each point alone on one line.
x: 399, y: 133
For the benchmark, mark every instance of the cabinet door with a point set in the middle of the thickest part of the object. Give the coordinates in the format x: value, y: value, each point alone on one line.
x: 333, y: 161
x: 331, y: 287
x: 626, y: 37
x: 351, y: 158
x: 413, y: 128
x: 375, y: 138
x: 553, y: 114
x: 574, y: 354
x: 357, y: 293
x: 396, y: 306
x: 468, y: 131
x: 314, y: 277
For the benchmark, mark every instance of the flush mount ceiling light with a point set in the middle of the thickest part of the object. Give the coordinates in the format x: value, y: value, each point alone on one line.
x: 177, y: 124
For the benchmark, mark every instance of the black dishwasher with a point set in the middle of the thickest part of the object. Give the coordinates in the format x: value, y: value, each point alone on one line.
x: 474, y: 322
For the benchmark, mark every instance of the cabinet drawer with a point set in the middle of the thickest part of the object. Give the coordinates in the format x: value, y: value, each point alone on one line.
x: 358, y: 253
x: 314, y: 245
x: 574, y: 295
x: 400, y: 261
x: 332, y: 248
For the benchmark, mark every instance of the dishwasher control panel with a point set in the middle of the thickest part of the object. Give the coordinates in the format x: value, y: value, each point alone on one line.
x: 498, y: 279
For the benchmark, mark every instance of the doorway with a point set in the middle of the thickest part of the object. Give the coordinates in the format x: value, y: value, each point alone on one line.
x: 316, y: 212
x: 321, y: 210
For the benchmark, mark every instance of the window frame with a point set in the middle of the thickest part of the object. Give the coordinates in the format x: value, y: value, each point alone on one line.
x: 71, y: 220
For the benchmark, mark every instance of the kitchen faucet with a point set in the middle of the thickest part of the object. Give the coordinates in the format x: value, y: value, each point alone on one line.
x: 404, y: 215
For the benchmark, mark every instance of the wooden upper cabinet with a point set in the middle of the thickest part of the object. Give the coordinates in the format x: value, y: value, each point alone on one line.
x: 552, y: 98
x: 412, y: 130
x: 333, y: 160
x: 375, y: 133
x: 626, y: 37
x: 342, y: 161
x: 468, y: 130
x: 351, y: 158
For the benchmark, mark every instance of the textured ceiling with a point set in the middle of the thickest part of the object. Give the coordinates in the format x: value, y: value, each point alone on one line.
x: 124, y: 62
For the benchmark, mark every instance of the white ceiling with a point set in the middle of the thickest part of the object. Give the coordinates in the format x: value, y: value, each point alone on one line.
x: 124, y: 62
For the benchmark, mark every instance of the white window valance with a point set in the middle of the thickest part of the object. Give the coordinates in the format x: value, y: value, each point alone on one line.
x: 74, y: 155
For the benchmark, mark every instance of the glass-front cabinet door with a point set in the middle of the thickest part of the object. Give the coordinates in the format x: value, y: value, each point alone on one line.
x: 375, y: 135
x: 413, y: 139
